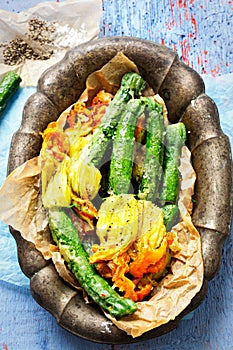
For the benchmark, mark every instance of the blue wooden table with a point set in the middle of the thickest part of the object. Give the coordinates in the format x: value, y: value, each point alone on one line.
x: 201, y: 32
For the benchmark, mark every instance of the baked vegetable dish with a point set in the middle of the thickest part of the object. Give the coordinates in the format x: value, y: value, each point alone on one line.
x: 110, y: 183
x: 109, y: 225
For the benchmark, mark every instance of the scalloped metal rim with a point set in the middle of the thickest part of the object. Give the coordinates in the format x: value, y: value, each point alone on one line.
x: 184, y: 93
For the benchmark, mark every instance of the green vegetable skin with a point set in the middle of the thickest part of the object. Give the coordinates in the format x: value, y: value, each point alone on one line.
x: 122, y: 153
x: 70, y: 246
x: 174, y: 140
x: 8, y: 86
x: 152, y: 174
x: 171, y: 215
x: 131, y: 86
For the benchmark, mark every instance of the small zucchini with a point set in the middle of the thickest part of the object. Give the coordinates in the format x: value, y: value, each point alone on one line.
x: 100, y: 144
x: 131, y: 86
x: 122, y: 153
x: 8, y: 86
x: 174, y: 140
x: 153, y: 165
x: 171, y: 215
x: 73, y: 252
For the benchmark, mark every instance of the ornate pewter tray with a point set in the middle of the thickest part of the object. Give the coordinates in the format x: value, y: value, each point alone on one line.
x: 184, y: 94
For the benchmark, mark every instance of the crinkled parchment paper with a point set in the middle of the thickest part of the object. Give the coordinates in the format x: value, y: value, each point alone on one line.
x: 75, y: 21
x: 174, y: 293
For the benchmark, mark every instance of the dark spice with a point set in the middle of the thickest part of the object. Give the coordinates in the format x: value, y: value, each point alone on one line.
x: 33, y: 45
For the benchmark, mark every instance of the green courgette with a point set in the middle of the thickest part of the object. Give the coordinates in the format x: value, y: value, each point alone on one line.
x: 131, y: 86
x: 122, y: 153
x: 8, y: 86
x: 73, y: 252
x: 153, y: 165
x: 175, y: 138
x: 171, y: 215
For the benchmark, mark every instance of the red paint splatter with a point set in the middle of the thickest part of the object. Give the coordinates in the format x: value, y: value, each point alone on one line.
x: 215, y: 71
x: 185, y: 48
x: 181, y: 4
x: 162, y: 42
x: 171, y: 24
x: 203, y: 70
x: 186, y: 15
x: 202, y: 60
x: 190, y: 35
x: 194, y: 23
x: 180, y: 17
x: 191, y: 2
x: 172, y: 6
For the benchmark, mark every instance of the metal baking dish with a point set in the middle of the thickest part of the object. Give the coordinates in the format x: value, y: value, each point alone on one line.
x: 183, y: 91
